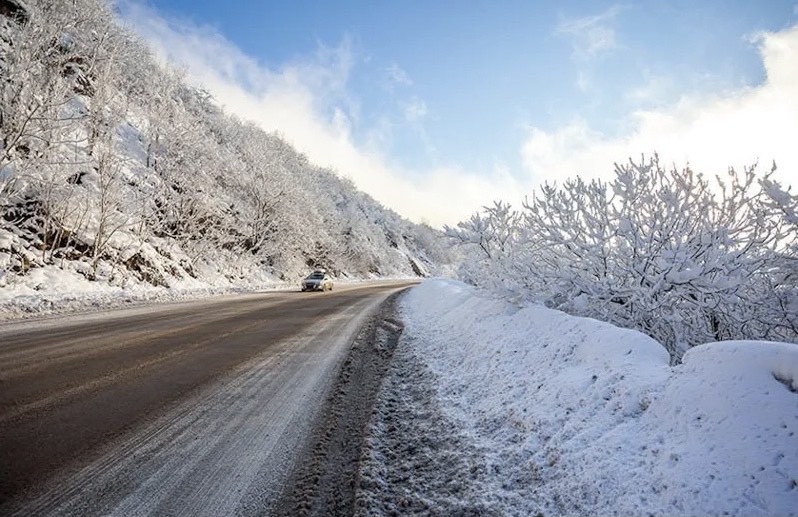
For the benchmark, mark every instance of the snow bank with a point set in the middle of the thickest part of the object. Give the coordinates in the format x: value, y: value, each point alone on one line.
x: 579, y: 416
x: 52, y: 290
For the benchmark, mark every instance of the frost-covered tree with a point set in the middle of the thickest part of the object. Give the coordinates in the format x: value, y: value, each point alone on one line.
x: 34, y: 58
x: 684, y: 258
x: 47, y: 65
x: 493, y: 241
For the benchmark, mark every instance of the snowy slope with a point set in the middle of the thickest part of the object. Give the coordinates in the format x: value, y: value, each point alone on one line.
x: 576, y: 416
x: 115, y: 172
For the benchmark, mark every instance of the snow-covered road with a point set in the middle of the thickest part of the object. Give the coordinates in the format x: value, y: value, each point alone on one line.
x: 191, y: 410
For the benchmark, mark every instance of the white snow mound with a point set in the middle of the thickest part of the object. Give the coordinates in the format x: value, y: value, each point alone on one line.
x: 579, y: 416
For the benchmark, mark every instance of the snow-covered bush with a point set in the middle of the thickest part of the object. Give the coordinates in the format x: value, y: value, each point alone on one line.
x: 681, y: 257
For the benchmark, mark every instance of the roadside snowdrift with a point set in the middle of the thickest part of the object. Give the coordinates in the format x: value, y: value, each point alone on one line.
x: 578, y: 416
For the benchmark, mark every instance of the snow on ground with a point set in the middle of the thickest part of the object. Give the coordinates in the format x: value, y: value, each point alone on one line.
x: 51, y: 290
x: 567, y: 415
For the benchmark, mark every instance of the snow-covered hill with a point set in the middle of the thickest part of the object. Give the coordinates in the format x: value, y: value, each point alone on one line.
x: 114, y: 171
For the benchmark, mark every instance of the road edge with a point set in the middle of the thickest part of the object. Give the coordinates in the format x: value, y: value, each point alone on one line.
x: 325, y: 480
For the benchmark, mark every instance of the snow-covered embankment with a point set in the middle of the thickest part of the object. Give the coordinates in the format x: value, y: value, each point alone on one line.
x: 572, y: 415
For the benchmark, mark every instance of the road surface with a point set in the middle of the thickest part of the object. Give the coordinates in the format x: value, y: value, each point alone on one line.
x: 186, y: 409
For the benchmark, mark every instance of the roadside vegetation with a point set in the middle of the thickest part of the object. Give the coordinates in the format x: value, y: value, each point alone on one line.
x: 682, y: 257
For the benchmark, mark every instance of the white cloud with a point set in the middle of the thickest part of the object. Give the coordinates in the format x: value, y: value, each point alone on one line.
x: 397, y: 76
x: 712, y: 133
x: 591, y: 38
x: 591, y: 35
x: 415, y: 110
x: 307, y: 102
x: 656, y: 88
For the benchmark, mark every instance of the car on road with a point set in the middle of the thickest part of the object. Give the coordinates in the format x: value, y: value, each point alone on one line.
x: 319, y: 280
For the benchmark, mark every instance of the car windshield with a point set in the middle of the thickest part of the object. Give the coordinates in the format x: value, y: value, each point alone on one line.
x: 316, y: 275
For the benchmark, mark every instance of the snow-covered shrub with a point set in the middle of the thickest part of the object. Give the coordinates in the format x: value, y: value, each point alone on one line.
x: 495, y: 261
x: 681, y: 257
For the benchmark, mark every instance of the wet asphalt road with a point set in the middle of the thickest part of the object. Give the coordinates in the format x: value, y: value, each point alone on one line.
x: 192, y: 408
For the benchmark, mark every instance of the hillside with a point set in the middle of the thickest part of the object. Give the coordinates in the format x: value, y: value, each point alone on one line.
x: 114, y: 171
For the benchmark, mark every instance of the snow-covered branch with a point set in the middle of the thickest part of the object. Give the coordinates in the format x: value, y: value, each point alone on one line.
x: 666, y: 251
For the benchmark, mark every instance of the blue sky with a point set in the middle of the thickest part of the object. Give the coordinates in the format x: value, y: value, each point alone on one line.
x: 413, y: 100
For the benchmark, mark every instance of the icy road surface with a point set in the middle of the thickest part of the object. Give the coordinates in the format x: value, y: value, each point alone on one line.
x: 195, y: 408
